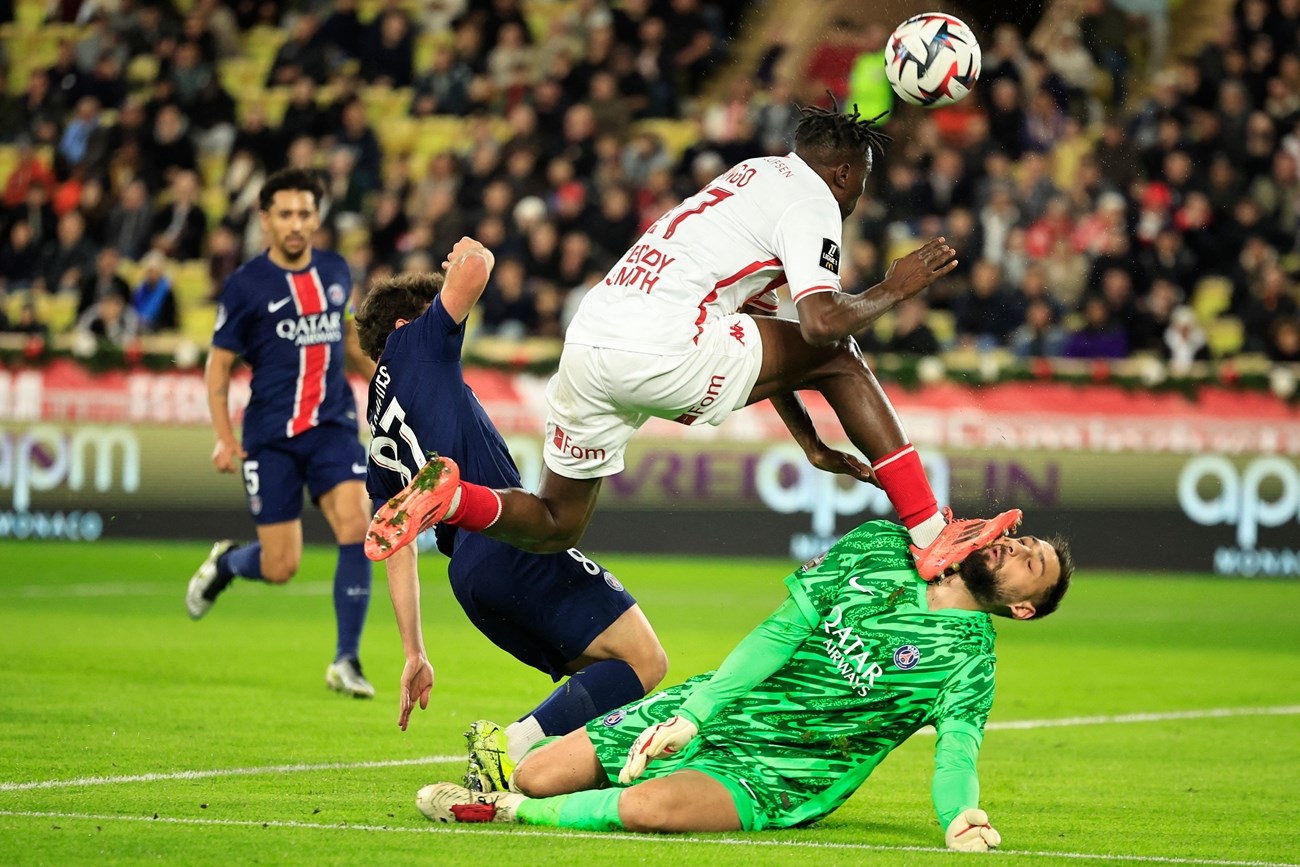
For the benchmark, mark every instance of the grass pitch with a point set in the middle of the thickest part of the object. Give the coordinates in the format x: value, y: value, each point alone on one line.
x: 1161, y: 721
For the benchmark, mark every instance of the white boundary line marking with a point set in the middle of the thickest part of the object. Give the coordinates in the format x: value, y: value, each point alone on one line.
x: 1009, y: 725
x: 637, y: 838
x: 224, y: 772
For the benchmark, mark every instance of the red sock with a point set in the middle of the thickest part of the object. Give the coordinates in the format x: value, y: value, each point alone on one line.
x: 479, y: 508
x: 901, y: 475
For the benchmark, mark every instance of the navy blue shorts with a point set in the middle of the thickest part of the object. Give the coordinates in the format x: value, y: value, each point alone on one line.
x: 321, y: 458
x: 542, y: 609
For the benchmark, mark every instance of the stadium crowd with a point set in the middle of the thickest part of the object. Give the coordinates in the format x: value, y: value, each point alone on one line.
x: 1101, y: 205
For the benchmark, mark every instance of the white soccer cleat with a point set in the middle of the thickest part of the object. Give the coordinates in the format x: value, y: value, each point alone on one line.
x: 195, y: 602
x: 448, y: 802
x: 344, y: 675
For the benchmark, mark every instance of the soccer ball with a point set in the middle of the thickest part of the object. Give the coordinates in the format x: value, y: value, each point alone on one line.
x: 932, y: 59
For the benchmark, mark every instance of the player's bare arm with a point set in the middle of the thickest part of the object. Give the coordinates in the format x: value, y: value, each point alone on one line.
x: 417, y: 673
x: 217, y: 376
x: 355, y: 359
x: 468, y: 267
x: 827, y: 317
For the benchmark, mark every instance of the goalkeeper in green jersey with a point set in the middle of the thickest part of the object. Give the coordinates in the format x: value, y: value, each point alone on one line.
x: 861, y: 655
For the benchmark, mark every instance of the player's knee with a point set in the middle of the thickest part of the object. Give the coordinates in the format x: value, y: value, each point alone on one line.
x: 652, y: 667
x: 640, y: 808
x: 537, y: 777
x: 279, y: 570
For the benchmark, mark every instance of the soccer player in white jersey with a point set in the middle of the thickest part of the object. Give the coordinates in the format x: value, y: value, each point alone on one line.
x: 682, y: 328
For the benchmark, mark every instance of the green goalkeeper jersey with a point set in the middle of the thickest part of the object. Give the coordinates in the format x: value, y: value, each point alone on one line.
x: 852, y: 665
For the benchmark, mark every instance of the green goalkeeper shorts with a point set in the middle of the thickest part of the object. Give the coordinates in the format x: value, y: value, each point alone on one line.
x: 763, y: 797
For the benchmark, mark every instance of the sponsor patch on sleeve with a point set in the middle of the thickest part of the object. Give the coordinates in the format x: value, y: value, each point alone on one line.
x: 830, y: 255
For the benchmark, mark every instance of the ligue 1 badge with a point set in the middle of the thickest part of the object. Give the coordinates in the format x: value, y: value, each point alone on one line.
x: 906, y: 657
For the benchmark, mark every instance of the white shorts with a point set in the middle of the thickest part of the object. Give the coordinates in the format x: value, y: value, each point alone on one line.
x: 600, y: 396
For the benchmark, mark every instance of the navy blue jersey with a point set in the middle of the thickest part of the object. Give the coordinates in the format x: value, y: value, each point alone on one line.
x: 288, y: 325
x: 419, y: 403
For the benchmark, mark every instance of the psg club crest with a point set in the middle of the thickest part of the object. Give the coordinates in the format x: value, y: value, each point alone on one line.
x: 337, y: 294
x: 613, y: 582
x: 906, y: 657
x: 613, y: 719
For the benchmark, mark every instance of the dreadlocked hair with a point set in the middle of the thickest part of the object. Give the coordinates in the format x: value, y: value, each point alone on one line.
x: 826, y: 134
x: 393, y: 298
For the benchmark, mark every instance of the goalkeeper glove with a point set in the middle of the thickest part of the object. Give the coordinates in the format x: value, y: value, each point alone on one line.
x: 971, y: 832
x: 670, y: 736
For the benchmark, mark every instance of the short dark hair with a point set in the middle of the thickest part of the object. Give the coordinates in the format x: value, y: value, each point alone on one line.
x: 390, y: 299
x: 1056, y: 592
x: 290, y: 179
x: 826, y: 136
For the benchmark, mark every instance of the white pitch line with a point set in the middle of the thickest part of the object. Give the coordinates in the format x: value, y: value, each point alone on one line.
x: 635, y: 838
x: 224, y: 772
x: 1010, y: 725
x: 94, y: 591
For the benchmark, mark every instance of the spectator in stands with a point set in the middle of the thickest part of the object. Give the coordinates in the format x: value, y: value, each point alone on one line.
x: 444, y: 88
x: 1105, y: 35
x: 68, y: 256
x: 1274, y: 298
x: 1185, y: 341
x: 1284, y: 345
x: 29, y: 169
x: 301, y: 54
x: 179, y: 228
x: 130, y: 221
x: 41, y: 108
x: 19, y: 259
x: 1100, y: 336
x: 169, y: 150
x: 342, y: 32
x: 912, y: 334
x: 508, y: 310
x: 28, y: 322
x: 66, y: 78
x: 111, y: 320
x: 103, y: 280
x: 988, y: 314
x: 84, y: 139
x: 1038, y: 336
x: 1154, y: 315
x: 388, y: 55
x: 357, y: 136
x: 152, y: 298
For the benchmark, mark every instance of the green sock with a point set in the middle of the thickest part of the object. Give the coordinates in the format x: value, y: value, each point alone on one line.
x: 592, y: 810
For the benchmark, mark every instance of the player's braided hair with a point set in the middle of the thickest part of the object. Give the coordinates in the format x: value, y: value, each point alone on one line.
x: 825, y: 135
x: 390, y: 299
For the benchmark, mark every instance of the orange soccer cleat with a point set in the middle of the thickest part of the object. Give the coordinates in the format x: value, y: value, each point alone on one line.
x: 421, y: 504
x: 959, y: 540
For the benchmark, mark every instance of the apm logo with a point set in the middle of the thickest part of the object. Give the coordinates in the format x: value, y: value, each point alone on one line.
x: 787, y: 483
x: 44, y: 458
x: 1265, y: 493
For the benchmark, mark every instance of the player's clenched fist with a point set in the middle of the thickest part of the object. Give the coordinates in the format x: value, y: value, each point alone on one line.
x: 971, y: 832
x: 670, y: 736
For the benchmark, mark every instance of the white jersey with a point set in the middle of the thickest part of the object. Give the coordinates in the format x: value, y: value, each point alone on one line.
x: 766, y: 222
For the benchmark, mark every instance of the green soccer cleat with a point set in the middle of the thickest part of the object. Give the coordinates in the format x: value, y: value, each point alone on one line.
x: 489, y: 759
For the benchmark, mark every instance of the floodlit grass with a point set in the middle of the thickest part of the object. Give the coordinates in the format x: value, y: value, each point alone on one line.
x: 103, y: 676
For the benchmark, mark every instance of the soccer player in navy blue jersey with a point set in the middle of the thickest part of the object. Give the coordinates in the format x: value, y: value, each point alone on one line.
x: 561, y: 613
x: 285, y: 313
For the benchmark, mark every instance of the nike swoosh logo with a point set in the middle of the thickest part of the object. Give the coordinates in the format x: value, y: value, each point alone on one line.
x: 272, y: 306
x: 359, y: 469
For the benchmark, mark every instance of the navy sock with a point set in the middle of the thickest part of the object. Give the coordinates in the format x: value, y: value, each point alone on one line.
x: 351, y: 597
x: 592, y: 692
x: 242, y: 562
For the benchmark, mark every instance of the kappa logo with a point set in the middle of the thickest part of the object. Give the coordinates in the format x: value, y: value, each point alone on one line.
x: 906, y: 657
x: 273, y: 306
x: 738, y: 332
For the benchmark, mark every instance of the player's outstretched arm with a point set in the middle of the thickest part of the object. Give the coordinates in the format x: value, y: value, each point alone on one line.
x: 217, y: 376
x: 795, y: 415
x: 417, y: 673
x: 827, y: 317
x: 468, y: 266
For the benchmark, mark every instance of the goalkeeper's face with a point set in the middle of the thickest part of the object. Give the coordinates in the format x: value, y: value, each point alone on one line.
x: 1012, y: 576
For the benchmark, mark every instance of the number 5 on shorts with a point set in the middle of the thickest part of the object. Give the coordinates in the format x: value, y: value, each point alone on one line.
x: 252, y: 483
